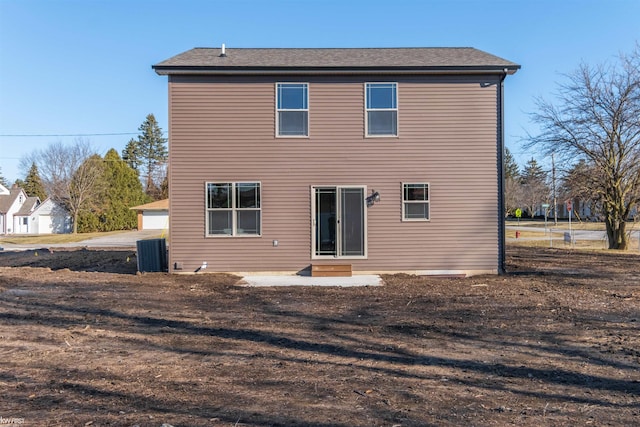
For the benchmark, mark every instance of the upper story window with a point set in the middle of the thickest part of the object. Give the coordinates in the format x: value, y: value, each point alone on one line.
x: 233, y: 209
x: 292, y: 109
x: 381, y: 104
x: 415, y: 202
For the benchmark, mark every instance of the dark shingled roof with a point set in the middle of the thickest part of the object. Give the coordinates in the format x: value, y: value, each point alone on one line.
x: 210, y: 60
x: 29, y: 205
x: 6, y: 200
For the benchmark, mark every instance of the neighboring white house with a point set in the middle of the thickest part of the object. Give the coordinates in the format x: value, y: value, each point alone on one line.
x: 20, y: 214
x: 22, y: 220
x: 11, y: 202
x: 153, y: 216
x: 50, y: 217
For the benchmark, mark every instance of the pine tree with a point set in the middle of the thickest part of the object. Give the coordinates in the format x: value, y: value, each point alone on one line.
x: 3, y: 180
x: 125, y: 191
x: 533, y: 172
x: 164, y: 187
x: 534, y: 188
x: 512, y: 187
x: 147, y: 154
x: 511, y: 169
x: 122, y: 190
x: 33, y: 184
x: 131, y: 156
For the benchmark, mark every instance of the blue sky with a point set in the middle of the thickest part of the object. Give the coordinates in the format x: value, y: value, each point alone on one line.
x: 71, y: 67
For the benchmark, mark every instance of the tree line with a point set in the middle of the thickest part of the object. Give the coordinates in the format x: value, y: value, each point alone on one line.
x: 593, y: 126
x: 533, y: 186
x: 98, y: 191
x: 592, y: 129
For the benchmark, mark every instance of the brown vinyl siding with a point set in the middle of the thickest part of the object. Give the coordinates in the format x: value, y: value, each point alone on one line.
x: 222, y: 129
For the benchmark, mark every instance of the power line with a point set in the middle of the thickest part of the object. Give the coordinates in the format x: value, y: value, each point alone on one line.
x: 69, y: 134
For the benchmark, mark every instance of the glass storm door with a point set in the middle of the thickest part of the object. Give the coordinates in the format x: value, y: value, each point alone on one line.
x: 338, y: 222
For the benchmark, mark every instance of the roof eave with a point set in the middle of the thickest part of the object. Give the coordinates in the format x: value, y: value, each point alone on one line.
x: 165, y: 70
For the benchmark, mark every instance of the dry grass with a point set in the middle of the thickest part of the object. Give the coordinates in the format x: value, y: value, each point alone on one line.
x: 576, y: 225
x: 55, y: 238
x: 511, y: 234
x: 559, y: 243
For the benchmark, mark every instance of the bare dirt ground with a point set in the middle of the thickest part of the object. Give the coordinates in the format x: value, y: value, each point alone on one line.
x: 85, y: 341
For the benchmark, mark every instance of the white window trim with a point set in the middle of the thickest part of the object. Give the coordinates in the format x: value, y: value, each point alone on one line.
x: 277, y: 116
x: 233, y: 209
x: 366, y: 112
x: 404, y: 202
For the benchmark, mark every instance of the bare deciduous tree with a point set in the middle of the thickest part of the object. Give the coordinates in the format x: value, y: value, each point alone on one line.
x: 596, y: 118
x: 70, y: 174
x: 577, y: 185
x: 86, y: 187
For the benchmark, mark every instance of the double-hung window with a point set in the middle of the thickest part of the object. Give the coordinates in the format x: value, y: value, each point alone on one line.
x: 233, y: 209
x: 292, y: 109
x: 415, y: 202
x: 381, y: 105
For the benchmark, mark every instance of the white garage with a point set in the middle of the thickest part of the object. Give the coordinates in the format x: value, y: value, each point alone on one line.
x: 153, y: 216
x: 49, y: 217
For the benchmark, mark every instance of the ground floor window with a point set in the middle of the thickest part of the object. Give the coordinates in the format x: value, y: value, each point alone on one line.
x: 233, y: 209
x: 415, y: 202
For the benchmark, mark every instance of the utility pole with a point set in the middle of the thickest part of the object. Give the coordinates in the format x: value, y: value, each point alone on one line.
x: 553, y: 185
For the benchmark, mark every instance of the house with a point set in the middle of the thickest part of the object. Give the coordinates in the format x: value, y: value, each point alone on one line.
x: 20, y: 214
x: 51, y: 218
x: 23, y: 221
x: 153, y: 216
x: 382, y: 160
x: 15, y: 207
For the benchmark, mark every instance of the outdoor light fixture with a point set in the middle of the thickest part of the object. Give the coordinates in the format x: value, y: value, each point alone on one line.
x: 374, y: 197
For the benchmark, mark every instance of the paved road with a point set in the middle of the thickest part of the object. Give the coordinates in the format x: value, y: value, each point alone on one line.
x: 125, y: 239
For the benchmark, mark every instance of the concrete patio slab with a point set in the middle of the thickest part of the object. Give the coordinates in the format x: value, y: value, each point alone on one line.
x: 290, y: 280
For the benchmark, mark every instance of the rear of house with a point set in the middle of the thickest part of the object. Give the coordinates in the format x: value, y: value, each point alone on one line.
x: 389, y: 160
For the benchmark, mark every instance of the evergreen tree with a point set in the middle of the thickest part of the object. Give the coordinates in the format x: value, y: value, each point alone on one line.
x: 512, y: 187
x: 3, y: 180
x: 511, y: 169
x: 122, y: 190
x: 33, y: 184
x: 148, y: 153
x: 19, y: 183
x: 164, y: 188
x: 533, y: 172
x: 534, y: 188
x: 125, y: 191
x: 131, y: 156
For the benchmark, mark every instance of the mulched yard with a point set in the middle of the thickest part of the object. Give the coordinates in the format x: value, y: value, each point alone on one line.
x: 87, y: 342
